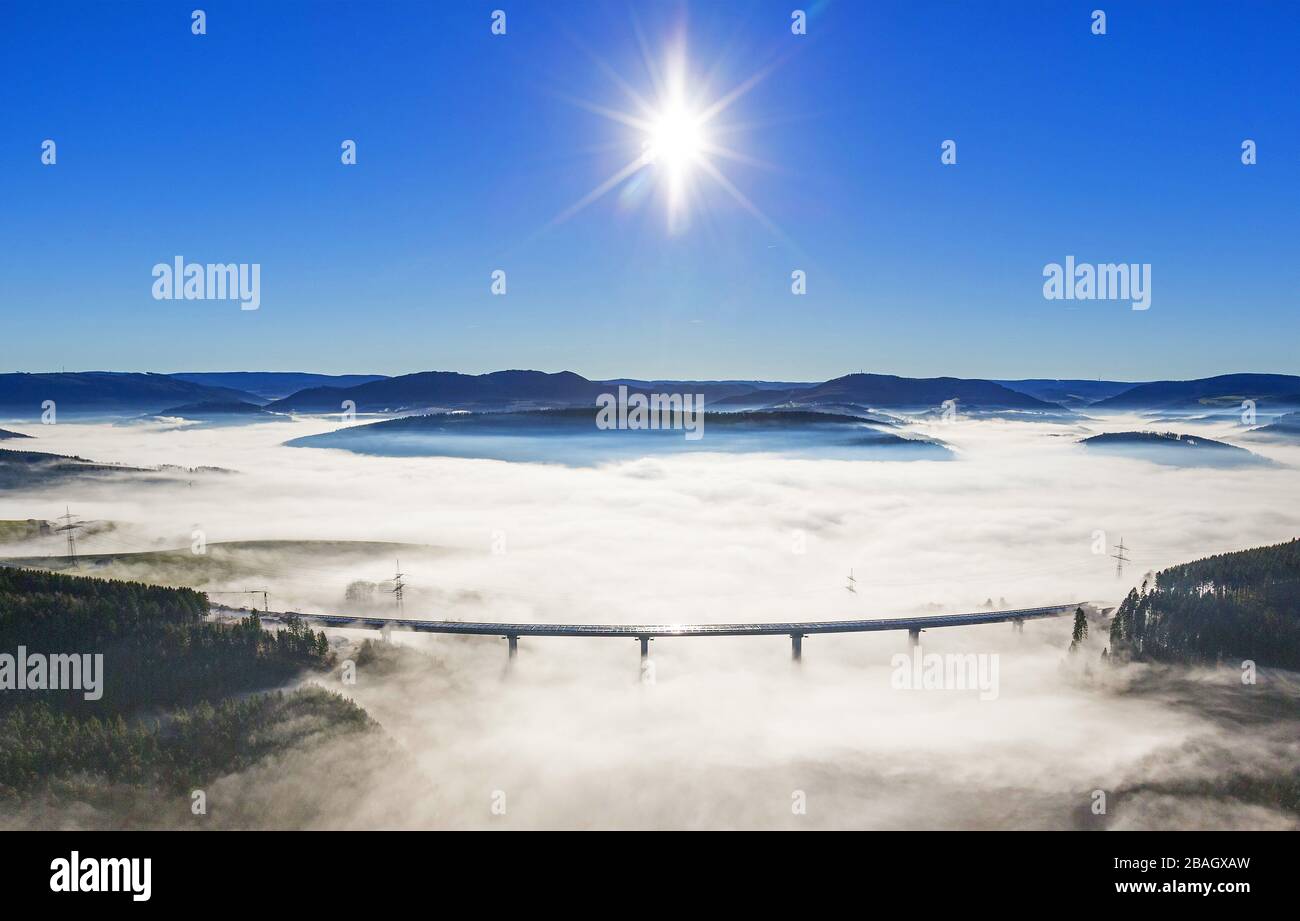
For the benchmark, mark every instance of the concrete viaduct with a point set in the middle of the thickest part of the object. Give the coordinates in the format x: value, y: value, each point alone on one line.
x: 644, y: 633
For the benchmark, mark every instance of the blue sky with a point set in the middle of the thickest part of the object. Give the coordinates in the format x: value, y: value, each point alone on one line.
x: 225, y: 148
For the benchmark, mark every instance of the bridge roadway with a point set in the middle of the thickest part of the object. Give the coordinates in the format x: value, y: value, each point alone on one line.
x: 646, y: 632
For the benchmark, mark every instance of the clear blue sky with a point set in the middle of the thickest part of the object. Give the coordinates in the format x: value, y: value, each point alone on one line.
x: 225, y: 148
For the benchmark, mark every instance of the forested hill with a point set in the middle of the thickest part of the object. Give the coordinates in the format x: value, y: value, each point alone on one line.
x: 175, y: 713
x: 1234, y: 606
x: 158, y: 649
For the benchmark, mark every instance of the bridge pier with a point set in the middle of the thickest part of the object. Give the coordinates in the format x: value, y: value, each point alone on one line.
x: 645, y: 647
x: 512, y: 640
x: 914, y: 637
x: 796, y: 647
x: 1018, y: 625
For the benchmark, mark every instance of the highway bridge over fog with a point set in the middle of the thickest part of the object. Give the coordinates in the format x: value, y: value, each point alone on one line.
x: 644, y: 633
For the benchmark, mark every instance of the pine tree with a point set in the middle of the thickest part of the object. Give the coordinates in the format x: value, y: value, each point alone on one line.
x: 1080, y: 629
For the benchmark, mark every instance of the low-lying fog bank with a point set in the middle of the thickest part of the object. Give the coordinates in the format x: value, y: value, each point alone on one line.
x: 730, y: 734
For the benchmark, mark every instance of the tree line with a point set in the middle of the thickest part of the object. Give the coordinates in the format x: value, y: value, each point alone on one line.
x: 158, y: 648
x: 1232, y: 606
x: 175, y: 711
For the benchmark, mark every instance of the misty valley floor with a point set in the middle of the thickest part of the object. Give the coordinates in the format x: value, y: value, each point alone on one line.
x: 730, y: 734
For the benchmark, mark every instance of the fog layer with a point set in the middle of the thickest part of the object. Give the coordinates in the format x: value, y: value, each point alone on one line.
x: 731, y: 733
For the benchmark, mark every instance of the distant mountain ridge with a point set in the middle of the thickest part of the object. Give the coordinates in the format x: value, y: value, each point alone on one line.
x: 104, y: 392
x: 82, y: 391
x: 449, y: 390
x: 892, y: 391
x: 273, y: 385
x: 514, y: 389
x: 1225, y: 389
x: 1072, y: 393
x: 517, y: 389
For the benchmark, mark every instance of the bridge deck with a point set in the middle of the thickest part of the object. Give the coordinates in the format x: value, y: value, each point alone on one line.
x: 652, y: 630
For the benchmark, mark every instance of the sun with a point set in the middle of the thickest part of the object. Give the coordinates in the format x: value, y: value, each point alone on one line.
x: 675, y: 145
x: 676, y: 139
x: 676, y: 129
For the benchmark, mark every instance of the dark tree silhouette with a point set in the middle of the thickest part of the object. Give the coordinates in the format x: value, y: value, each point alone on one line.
x: 174, y: 710
x: 1243, y: 605
x: 1080, y: 629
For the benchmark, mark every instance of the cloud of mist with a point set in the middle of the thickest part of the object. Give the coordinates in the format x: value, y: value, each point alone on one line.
x: 730, y: 729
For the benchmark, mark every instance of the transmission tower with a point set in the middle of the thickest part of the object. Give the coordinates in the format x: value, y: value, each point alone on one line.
x: 853, y: 583
x: 398, y: 586
x: 69, y: 528
x: 1120, y: 559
